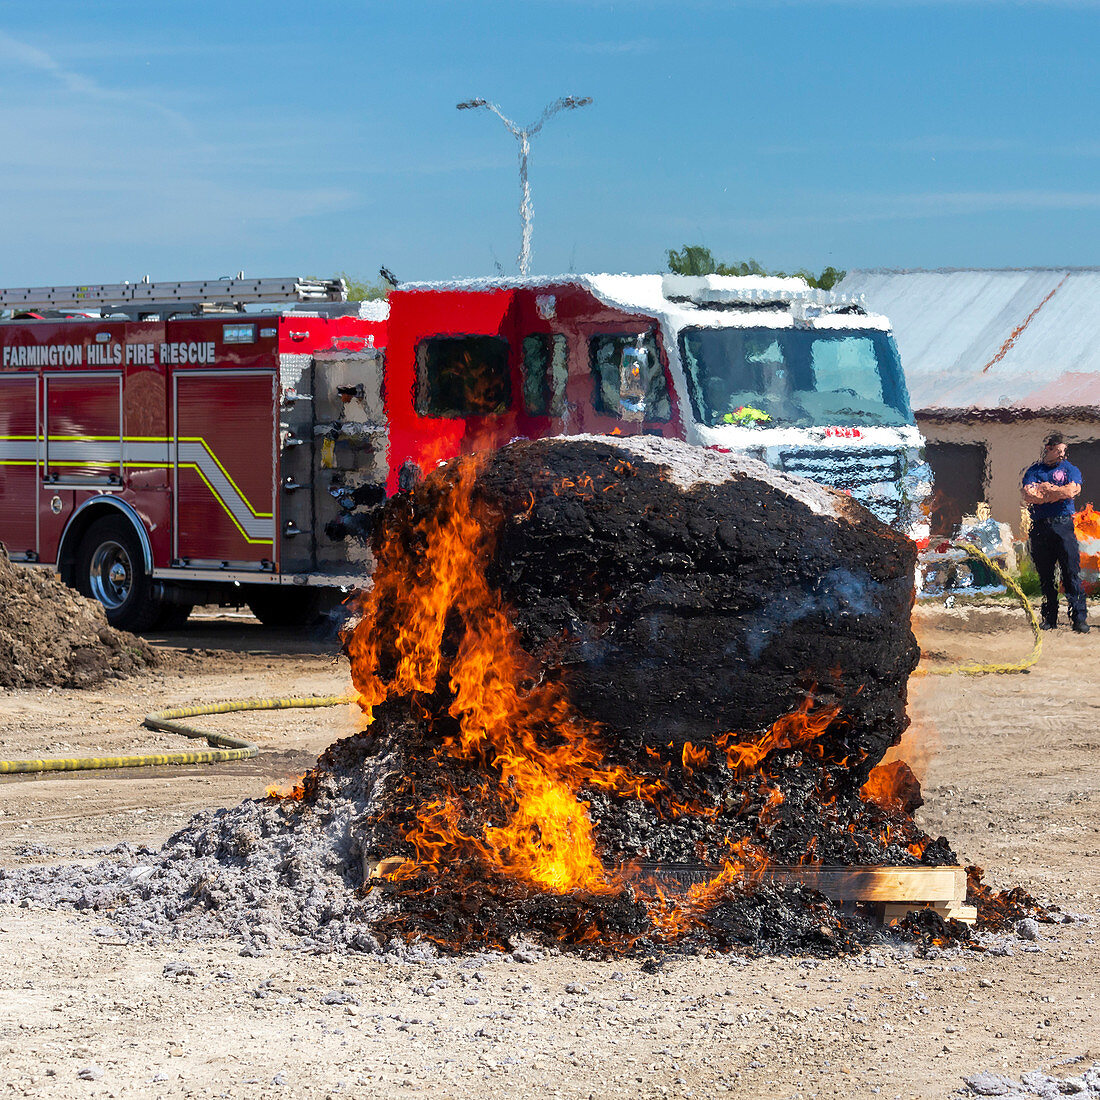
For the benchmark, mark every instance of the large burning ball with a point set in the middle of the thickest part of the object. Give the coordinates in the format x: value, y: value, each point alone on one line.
x: 679, y: 594
x: 582, y: 658
x: 687, y: 593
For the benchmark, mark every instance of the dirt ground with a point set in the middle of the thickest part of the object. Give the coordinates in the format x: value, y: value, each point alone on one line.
x: 1012, y: 778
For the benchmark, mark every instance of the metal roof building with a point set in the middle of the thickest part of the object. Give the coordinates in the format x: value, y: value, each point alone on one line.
x: 995, y: 360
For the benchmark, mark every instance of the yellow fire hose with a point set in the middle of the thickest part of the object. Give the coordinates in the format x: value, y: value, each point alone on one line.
x: 228, y: 748
x: 167, y: 721
x: 1017, y: 591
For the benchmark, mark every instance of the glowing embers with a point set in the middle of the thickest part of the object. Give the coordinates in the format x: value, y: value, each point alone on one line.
x: 672, y: 914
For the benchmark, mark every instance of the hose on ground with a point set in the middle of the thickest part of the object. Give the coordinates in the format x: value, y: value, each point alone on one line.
x: 223, y: 747
x: 1032, y: 618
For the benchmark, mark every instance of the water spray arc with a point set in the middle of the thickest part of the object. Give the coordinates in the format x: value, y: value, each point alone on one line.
x: 523, y: 136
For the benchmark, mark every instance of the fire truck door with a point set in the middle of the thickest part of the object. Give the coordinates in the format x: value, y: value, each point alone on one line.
x: 19, y: 465
x: 224, y: 451
x: 83, y: 446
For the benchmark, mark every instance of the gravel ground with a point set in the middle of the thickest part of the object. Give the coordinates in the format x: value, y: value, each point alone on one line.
x: 1013, y: 779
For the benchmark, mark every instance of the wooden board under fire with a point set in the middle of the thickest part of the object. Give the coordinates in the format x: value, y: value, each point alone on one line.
x: 897, y: 890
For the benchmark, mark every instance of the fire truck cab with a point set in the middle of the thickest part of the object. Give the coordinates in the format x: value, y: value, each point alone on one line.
x: 805, y: 380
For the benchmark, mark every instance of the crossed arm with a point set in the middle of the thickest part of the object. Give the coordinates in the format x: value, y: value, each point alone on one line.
x: 1043, y: 492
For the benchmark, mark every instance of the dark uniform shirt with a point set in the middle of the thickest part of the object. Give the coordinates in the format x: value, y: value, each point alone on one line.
x: 1062, y: 474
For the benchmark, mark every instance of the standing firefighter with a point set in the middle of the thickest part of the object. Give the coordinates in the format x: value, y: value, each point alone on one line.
x: 1049, y: 488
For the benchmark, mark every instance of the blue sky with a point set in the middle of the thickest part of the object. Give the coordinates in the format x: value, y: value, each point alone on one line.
x: 192, y: 140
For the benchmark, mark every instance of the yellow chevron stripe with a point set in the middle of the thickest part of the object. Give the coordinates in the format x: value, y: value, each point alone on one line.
x: 206, y: 447
x: 151, y: 466
x: 143, y: 439
x: 217, y: 497
x: 156, y: 439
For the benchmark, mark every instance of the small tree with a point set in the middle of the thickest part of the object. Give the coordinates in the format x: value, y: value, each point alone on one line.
x: 359, y: 290
x: 696, y: 259
x: 692, y: 259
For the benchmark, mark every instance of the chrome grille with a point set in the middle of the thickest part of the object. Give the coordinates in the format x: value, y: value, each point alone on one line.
x: 873, y: 476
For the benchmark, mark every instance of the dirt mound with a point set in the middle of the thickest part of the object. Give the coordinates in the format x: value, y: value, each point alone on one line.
x: 50, y: 635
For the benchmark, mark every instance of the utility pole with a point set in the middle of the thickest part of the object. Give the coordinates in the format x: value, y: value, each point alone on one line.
x: 523, y: 136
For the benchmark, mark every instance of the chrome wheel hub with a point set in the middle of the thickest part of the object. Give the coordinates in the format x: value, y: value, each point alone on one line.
x: 111, y: 575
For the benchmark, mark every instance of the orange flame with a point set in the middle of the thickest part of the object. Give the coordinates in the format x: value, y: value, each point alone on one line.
x: 291, y: 790
x: 432, y: 622
x: 1086, y: 525
x: 883, y: 786
x: 508, y: 719
x: 796, y: 730
x: 694, y: 759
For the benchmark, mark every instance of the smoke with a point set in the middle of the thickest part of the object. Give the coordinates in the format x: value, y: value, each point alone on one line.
x: 918, y: 745
x: 837, y: 594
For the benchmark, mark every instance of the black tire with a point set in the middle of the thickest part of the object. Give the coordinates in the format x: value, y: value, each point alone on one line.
x: 110, y: 568
x: 173, y: 616
x: 285, y: 608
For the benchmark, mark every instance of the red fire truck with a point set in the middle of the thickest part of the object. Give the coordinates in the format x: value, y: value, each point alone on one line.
x: 177, y: 448
x: 142, y: 452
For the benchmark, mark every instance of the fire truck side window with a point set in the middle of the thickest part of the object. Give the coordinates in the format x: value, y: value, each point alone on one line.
x: 462, y: 376
x: 545, y: 369
x: 628, y: 376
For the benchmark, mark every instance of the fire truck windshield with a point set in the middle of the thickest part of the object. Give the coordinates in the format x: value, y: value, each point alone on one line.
x: 794, y: 377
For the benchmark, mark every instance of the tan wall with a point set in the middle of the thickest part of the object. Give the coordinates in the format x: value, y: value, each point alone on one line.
x: 1010, y: 448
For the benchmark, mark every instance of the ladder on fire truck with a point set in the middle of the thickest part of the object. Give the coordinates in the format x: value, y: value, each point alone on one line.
x: 146, y: 296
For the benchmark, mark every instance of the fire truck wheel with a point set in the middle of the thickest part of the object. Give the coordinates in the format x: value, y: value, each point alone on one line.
x: 280, y: 607
x: 110, y: 568
x: 173, y: 616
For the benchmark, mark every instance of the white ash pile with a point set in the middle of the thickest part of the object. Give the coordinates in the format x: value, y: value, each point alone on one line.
x: 1073, y: 1081
x: 269, y: 872
x: 51, y: 636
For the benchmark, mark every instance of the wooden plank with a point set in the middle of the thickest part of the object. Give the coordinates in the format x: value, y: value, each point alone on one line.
x: 945, y: 886
x: 888, y: 884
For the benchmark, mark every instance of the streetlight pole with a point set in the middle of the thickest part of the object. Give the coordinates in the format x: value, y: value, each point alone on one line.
x: 523, y: 136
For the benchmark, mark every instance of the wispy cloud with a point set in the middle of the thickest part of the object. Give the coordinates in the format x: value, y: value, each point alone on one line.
x: 13, y: 51
x: 19, y: 54
x: 147, y: 173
